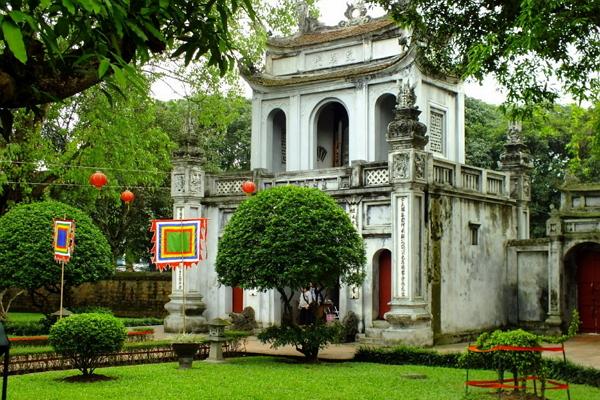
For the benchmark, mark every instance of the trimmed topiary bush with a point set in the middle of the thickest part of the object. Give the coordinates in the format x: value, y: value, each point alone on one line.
x: 27, y: 257
x: 287, y: 238
x: 85, y: 338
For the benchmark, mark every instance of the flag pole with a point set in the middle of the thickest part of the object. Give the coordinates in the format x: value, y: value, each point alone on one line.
x: 62, y: 285
x: 183, y: 290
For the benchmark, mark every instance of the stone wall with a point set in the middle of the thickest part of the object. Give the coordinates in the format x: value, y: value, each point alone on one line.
x: 128, y: 294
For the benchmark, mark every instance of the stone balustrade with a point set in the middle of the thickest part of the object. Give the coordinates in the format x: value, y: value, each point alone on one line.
x: 364, y: 175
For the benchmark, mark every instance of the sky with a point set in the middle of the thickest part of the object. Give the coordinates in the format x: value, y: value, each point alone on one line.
x: 332, y: 12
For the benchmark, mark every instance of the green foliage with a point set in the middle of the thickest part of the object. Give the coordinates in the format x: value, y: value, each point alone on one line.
x: 85, y: 338
x: 25, y: 328
x: 400, y: 355
x: 220, y: 122
x: 559, y: 139
x: 535, y: 48
x: 26, y: 253
x: 519, y: 363
x: 148, y: 321
x: 307, y: 339
x: 91, y: 310
x: 288, y: 237
x: 79, y: 43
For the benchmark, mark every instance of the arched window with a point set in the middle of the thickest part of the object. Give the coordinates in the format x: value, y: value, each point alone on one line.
x: 331, y: 136
x: 278, y: 142
x: 384, y: 113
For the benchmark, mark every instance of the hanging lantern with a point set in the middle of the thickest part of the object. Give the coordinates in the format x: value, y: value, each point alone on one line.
x: 127, y: 196
x: 98, y: 179
x: 248, y: 187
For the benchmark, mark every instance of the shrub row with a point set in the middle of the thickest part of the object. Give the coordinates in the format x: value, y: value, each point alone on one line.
x: 400, y: 355
x: 42, y: 327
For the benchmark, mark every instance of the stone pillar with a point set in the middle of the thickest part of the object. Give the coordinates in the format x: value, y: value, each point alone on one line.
x: 554, y: 231
x: 187, y: 191
x: 516, y: 160
x: 409, y: 316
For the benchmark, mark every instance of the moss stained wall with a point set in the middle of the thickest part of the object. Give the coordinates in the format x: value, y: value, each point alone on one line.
x: 128, y: 294
x: 468, y: 283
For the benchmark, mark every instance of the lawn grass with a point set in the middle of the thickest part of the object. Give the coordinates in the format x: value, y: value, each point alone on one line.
x: 24, y: 316
x: 264, y: 378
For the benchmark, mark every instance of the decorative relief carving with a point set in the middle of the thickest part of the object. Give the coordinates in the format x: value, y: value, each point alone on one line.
x: 420, y: 162
x: 403, y: 245
x: 195, y: 182
x: 526, y: 188
x: 179, y: 183
x: 355, y: 14
x: 349, y: 56
x: 400, y: 166
x: 353, y: 210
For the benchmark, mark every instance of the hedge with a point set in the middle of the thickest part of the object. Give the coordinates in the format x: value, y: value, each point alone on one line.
x: 399, y: 355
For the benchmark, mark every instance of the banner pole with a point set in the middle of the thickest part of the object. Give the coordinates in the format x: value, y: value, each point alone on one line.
x: 62, y: 285
x: 183, y: 290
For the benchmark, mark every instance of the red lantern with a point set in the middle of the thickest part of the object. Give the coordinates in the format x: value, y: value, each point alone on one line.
x: 98, y: 179
x: 248, y: 187
x: 127, y: 196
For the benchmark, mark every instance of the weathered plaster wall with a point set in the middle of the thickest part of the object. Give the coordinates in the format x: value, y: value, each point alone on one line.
x: 532, y: 278
x: 128, y: 294
x: 472, y: 290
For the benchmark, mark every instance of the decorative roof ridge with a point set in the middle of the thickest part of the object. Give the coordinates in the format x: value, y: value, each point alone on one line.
x: 346, y: 71
x: 324, y: 34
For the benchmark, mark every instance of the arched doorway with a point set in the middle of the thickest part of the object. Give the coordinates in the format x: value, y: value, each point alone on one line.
x: 382, y: 283
x: 237, y: 299
x: 588, y: 288
x: 278, y: 140
x: 384, y: 114
x: 332, y: 129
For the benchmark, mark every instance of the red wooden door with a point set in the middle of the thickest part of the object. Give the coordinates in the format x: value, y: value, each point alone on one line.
x: 237, y: 294
x: 588, y: 281
x: 385, y: 282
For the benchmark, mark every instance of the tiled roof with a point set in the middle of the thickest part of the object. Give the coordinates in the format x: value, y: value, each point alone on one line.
x: 268, y: 80
x: 332, y: 34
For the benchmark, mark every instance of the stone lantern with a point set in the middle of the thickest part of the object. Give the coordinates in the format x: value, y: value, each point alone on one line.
x: 216, y: 337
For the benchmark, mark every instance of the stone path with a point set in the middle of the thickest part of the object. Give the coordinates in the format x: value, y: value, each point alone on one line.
x: 582, y: 350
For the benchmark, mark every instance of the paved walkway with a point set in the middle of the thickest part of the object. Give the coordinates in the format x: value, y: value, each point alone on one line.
x: 582, y: 350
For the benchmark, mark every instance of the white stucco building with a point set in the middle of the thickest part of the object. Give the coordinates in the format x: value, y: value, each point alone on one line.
x: 348, y: 110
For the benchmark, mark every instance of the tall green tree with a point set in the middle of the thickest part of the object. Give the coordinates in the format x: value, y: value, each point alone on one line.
x: 536, y: 49
x: 26, y: 253
x: 220, y: 122
x: 287, y: 238
x: 559, y: 140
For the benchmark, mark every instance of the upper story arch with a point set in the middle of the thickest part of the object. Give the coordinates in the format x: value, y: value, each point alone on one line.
x: 330, y: 134
x: 277, y: 140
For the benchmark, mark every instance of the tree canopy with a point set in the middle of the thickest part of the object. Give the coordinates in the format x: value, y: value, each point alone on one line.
x: 53, y: 49
x: 535, y: 48
x: 26, y: 253
x: 287, y: 237
x: 560, y: 138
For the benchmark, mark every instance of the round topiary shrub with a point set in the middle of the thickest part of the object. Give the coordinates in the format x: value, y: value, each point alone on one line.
x: 85, y: 338
x: 27, y: 256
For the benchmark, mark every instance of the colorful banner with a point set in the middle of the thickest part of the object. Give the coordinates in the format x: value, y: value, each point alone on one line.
x: 178, y: 242
x: 63, y: 240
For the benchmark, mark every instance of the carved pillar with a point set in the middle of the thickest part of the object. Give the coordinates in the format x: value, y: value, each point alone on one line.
x: 516, y: 160
x: 187, y: 191
x: 554, y: 230
x: 409, y: 317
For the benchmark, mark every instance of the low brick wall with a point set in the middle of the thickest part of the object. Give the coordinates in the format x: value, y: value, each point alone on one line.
x: 128, y: 294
